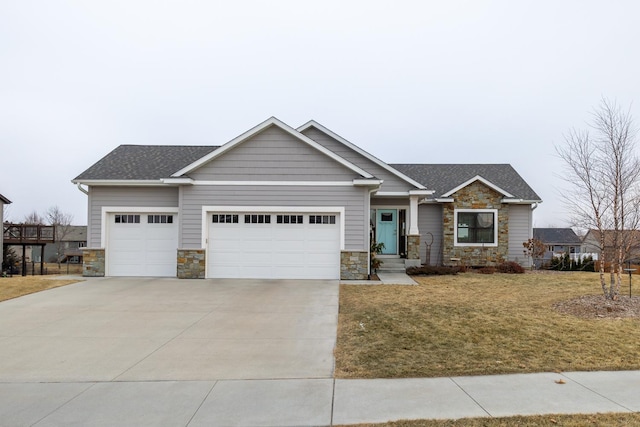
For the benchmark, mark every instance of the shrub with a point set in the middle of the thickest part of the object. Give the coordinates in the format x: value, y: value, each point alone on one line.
x: 510, y: 267
x: 486, y: 270
x: 428, y: 270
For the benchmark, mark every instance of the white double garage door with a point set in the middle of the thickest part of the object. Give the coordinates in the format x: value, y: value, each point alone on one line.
x: 239, y: 244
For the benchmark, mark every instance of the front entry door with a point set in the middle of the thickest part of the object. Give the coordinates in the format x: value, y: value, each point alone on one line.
x: 387, y: 230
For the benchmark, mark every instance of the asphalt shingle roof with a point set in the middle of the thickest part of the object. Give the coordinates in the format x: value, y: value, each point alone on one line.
x: 145, y: 162
x: 556, y: 235
x: 445, y: 177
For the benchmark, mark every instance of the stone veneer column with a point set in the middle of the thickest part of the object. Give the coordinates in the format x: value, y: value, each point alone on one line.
x: 92, y: 262
x: 354, y: 265
x: 413, y: 251
x: 191, y: 263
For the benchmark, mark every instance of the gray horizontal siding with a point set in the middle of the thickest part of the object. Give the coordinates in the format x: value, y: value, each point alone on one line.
x: 353, y: 199
x: 124, y: 196
x: 391, y: 181
x: 273, y: 155
x: 520, y: 223
x: 430, y: 221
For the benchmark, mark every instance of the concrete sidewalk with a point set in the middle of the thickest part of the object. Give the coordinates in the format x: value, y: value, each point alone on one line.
x: 314, y: 402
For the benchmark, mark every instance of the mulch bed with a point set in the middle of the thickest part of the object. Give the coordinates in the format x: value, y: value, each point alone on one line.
x: 596, y: 307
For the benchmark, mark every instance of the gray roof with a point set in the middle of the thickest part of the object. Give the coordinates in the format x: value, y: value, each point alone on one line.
x: 145, y: 162
x: 4, y: 200
x: 76, y: 233
x: 556, y: 235
x: 445, y: 177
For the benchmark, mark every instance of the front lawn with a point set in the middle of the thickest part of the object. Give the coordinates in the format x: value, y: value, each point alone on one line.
x: 476, y: 324
x: 17, y: 286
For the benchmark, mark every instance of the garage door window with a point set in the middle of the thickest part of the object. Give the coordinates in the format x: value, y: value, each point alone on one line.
x: 225, y: 219
x: 289, y: 219
x: 127, y: 219
x: 257, y: 219
x: 322, y: 219
x: 160, y: 219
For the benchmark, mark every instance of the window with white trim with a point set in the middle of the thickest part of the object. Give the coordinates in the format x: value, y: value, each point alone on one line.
x: 224, y: 219
x: 257, y: 219
x: 322, y: 219
x: 160, y: 219
x: 289, y: 219
x: 476, y: 227
x: 127, y: 219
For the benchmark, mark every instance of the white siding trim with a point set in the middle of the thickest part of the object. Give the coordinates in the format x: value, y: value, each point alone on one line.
x: 495, y: 228
x: 280, y: 183
x: 259, y: 128
x: 302, y: 209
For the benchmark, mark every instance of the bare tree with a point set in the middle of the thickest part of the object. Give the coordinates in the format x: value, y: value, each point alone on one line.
x: 603, y: 172
x: 33, y: 218
x: 62, y: 221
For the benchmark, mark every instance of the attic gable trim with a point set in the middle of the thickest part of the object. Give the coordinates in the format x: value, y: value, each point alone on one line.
x: 482, y: 180
x: 5, y: 200
x: 259, y: 128
x: 313, y: 123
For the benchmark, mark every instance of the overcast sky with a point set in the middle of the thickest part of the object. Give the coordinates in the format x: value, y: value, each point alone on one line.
x: 407, y: 81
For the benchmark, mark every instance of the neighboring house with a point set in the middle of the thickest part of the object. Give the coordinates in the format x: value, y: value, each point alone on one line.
x: 591, y: 243
x: 3, y: 201
x: 67, y: 247
x: 279, y: 202
x: 559, y: 241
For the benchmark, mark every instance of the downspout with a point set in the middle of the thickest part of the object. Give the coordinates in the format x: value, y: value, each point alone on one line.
x: 82, y: 189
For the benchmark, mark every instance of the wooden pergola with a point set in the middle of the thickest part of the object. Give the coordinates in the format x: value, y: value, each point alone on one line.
x: 28, y: 235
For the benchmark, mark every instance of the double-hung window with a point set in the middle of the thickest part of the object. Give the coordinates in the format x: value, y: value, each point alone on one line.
x: 476, y: 227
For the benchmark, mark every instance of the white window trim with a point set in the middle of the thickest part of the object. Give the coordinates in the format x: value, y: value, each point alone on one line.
x: 495, y: 228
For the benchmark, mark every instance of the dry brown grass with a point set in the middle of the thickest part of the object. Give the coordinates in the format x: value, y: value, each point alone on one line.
x: 609, y: 420
x: 17, y: 286
x: 475, y: 324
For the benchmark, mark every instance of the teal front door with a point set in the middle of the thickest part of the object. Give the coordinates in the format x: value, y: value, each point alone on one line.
x: 387, y: 230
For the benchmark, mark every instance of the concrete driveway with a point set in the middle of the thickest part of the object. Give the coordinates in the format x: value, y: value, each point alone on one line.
x: 143, y: 329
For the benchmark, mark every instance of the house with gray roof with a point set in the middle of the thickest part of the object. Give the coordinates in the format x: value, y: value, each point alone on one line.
x: 284, y: 202
x: 559, y: 241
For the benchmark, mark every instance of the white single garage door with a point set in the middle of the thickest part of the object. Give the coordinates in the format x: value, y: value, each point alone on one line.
x: 274, y: 245
x: 142, y: 244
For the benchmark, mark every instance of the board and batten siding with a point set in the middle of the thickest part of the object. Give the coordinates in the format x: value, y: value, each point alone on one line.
x: 430, y: 221
x: 124, y: 196
x: 353, y: 199
x: 391, y: 182
x: 520, y: 230
x: 273, y: 155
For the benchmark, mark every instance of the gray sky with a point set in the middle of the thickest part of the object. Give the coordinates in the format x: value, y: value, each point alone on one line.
x: 407, y: 81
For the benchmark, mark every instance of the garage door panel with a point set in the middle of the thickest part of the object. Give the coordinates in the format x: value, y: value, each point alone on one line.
x: 274, y: 250
x: 143, y: 248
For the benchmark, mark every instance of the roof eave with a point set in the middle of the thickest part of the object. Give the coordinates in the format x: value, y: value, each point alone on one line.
x: 120, y: 182
x: 313, y: 123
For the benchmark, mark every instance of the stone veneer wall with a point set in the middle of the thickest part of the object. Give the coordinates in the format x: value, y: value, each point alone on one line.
x: 354, y: 265
x: 413, y: 246
x: 93, y: 262
x: 191, y: 263
x: 475, y: 196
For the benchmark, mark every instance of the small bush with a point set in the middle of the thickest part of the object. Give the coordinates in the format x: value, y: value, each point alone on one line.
x: 486, y: 270
x: 428, y: 270
x: 510, y: 267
